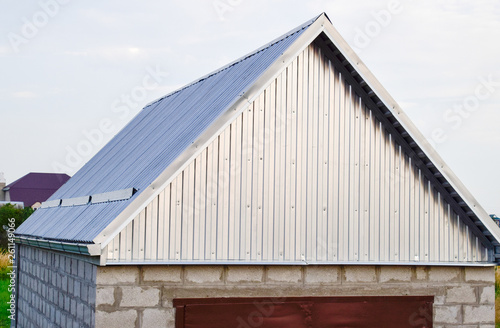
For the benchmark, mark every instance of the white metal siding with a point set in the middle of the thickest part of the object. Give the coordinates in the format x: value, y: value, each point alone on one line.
x: 306, y: 173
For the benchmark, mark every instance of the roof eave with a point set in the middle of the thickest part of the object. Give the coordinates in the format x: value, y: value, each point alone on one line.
x: 76, y: 248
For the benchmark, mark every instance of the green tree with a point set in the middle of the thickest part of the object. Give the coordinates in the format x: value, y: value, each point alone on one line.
x: 7, y: 212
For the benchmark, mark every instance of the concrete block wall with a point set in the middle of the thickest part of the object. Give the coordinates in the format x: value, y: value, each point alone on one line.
x: 54, y: 289
x: 141, y: 296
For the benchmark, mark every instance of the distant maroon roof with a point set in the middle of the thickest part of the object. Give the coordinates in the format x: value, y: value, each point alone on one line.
x: 36, y: 187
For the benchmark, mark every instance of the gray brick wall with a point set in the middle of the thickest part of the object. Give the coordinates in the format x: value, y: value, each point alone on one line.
x: 142, y: 296
x: 54, y: 289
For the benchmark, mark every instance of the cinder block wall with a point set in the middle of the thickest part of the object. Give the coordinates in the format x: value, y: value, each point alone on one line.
x: 54, y: 289
x: 141, y: 296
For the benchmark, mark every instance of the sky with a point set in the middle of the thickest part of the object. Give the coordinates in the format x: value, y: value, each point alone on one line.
x: 73, y: 73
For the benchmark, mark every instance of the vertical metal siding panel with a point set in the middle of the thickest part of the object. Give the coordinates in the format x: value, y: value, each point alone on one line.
x: 301, y: 155
x: 246, y: 184
x: 162, y: 218
x: 333, y: 164
x: 310, y: 202
x: 433, y: 222
x: 271, y: 173
x: 399, y: 201
x: 452, y: 234
x: 355, y: 180
x: 361, y: 234
x: 209, y: 201
x: 315, y: 197
x: 135, y: 238
x: 268, y: 178
x: 154, y: 228
x: 384, y: 191
x: 440, y: 228
x: 365, y: 234
x: 187, y: 213
x: 324, y: 179
x: 281, y: 121
x: 122, y: 240
x: 290, y: 164
x: 321, y: 129
x: 148, y: 232
x: 427, y: 222
x: 373, y: 200
x: 142, y: 234
x: 177, y: 224
x: 213, y: 196
x: 343, y: 171
x: 198, y: 216
x: 420, y: 238
x: 380, y: 188
x: 445, y: 242
x: 462, y: 242
x: 236, y: 171
x: 234, y: 191
x: 259, y: 186
x: 128, y: 243
x: 393, y: 209
x: 166, y: 227
x: 414, y: 212
x: 294, y: 227
x: 403, y: 206
x: 223, y: 195
x: 256, y: 171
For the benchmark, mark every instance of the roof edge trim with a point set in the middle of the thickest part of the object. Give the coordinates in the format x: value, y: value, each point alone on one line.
x: 306, y: 263
x: 82, y: 249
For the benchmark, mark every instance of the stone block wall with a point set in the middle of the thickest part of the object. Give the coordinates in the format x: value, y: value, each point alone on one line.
x: 54, y: 289
x: 141, y: 296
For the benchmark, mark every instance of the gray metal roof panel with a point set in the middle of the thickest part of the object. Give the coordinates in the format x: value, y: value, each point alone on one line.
x: 142, y: 150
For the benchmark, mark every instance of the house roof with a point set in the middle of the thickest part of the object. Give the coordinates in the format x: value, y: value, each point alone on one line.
x: 159, y: 142
x: 35, y: 187
x: 149, y: 144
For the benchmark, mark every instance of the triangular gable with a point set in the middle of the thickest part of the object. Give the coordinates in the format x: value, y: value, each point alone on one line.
x: 309, y: 172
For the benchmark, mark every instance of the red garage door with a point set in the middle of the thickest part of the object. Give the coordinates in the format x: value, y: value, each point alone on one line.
x: 309, y: 312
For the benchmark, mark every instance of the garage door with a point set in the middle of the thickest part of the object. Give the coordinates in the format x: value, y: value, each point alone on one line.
x: 309, y: 312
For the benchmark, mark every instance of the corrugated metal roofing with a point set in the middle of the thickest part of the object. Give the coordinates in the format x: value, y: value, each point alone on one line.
x: 149, y: 144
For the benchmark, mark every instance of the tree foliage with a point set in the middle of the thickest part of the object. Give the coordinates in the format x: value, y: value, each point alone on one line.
x: 7, y: 212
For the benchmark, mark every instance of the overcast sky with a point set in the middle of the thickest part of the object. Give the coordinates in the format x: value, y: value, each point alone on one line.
x: 74, y: 72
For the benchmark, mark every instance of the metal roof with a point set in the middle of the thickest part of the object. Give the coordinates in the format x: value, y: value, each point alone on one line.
x: 140, y: 152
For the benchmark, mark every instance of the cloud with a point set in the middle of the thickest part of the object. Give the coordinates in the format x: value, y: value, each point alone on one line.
x: 24, y: 94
